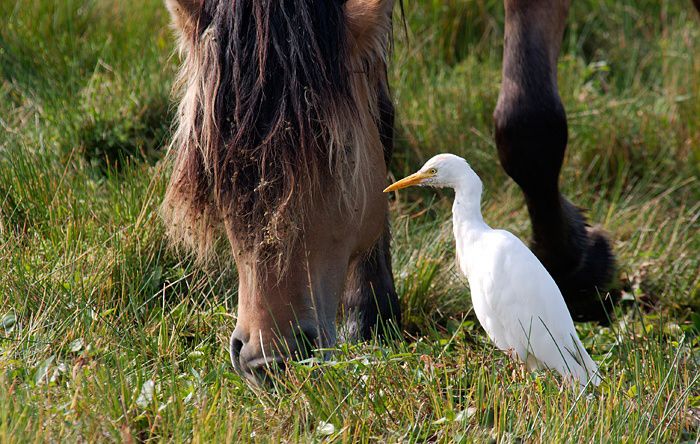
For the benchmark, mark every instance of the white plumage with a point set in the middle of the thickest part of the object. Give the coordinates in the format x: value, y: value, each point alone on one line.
x: 514, y: 297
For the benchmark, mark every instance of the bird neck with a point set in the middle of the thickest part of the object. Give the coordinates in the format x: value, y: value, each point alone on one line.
x: 466, y: 208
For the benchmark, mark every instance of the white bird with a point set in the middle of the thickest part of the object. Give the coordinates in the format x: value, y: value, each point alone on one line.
x: 514, y: 297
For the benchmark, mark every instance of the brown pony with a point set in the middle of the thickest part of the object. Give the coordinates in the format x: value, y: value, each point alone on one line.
x: 285, y: 128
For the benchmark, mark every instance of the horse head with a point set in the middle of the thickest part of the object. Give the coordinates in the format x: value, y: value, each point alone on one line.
x: 280, y: 147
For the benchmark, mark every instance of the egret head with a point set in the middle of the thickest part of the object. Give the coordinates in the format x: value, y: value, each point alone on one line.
x: 443, y: 170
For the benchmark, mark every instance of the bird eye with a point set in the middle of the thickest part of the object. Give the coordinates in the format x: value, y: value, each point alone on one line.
x: 432, y: 171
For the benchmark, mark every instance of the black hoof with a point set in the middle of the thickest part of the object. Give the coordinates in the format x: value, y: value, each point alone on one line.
x: 578, y: 257
x: 585, y: 289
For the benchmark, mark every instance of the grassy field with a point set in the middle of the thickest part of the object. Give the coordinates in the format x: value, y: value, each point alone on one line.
x: 107, y: 335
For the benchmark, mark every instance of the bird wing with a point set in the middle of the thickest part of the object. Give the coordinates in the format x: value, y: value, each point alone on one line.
x: 533, y: 315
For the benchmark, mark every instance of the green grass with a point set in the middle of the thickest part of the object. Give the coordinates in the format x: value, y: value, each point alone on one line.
x: 95, y: 309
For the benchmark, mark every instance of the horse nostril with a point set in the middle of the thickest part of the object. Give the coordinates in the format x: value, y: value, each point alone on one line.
x: 235, y: 351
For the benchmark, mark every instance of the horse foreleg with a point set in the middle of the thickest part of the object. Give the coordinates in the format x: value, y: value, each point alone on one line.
x: 531, y: 136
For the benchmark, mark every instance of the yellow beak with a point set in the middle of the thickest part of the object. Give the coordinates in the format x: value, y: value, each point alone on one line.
x: 413, y: 179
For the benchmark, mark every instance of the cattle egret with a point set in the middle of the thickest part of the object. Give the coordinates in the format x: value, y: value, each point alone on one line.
x: 514, y: 297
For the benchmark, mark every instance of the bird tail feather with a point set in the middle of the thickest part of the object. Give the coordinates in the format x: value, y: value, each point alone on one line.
x: 584, y: 368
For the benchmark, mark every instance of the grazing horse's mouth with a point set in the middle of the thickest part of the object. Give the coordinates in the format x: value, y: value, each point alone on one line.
x: 262, y: 360
x: 263, y: 371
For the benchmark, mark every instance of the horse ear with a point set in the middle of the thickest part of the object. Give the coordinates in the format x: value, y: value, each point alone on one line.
x: 185, y: 14
x: 368, y: 21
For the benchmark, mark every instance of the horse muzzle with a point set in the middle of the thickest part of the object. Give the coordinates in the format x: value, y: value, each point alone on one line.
x: 260, y: 360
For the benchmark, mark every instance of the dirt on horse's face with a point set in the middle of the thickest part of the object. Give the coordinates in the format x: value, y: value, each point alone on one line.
x: 284, y: 129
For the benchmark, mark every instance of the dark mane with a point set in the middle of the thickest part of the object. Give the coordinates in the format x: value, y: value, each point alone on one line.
x: 270, y: 112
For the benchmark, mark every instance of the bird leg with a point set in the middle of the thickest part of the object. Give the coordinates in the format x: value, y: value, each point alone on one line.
x: 531, y: 136
x: 518, y: 368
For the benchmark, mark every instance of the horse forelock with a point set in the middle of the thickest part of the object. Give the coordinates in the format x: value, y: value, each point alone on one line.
x: 275, y: 106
